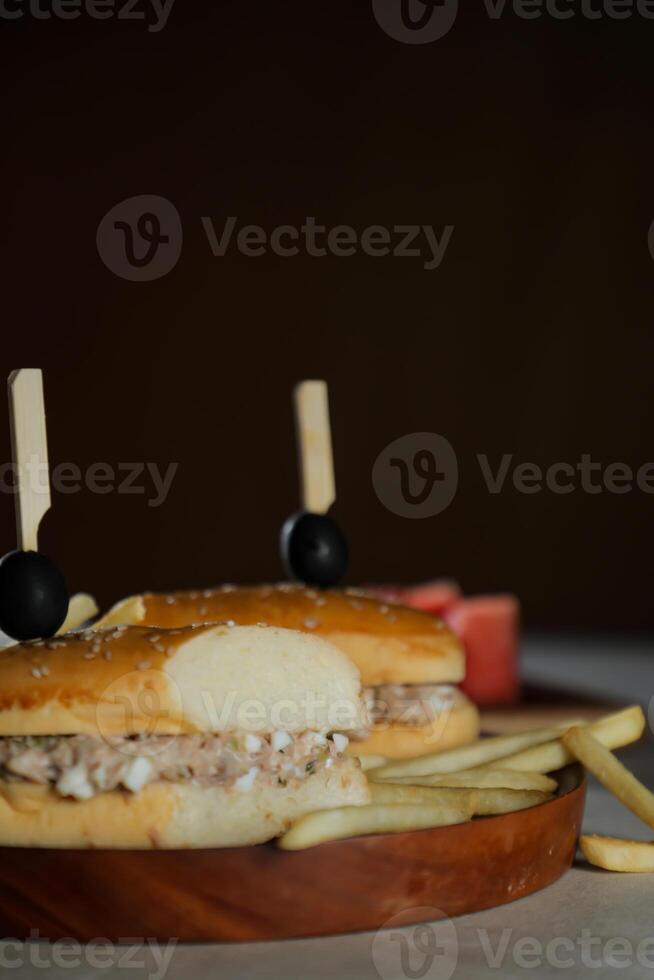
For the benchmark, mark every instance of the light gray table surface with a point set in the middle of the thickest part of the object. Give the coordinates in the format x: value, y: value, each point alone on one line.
x: 590, y: 923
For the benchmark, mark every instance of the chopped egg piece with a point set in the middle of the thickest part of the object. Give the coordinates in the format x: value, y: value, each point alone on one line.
x: 246, y: 781
x: 340, y: 741
x: 280, y: 740
x: 75, y: 782
x: 138, y: 774
x: 252, y: 743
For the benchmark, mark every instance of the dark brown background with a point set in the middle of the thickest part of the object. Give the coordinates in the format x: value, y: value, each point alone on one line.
x: 533, y: 138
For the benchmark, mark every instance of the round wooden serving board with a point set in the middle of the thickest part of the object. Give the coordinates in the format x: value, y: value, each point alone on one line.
x: 262, y: 892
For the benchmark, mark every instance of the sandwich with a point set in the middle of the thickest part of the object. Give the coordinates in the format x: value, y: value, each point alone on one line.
x: 410, y: 662
x: 201, y: 736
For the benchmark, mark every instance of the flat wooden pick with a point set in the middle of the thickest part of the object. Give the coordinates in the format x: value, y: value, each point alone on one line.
x: 30, y: 452
x: 314, y: 446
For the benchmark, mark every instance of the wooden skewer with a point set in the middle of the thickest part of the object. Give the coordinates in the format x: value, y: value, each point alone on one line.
x: 314, y: 440
x: 30, y: 452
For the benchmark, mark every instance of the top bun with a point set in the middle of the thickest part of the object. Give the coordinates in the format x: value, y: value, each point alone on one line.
x: 389, y: 643
x: 214, y: 678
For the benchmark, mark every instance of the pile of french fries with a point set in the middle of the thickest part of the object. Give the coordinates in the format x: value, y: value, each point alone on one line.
x: 490, y: 777
x: 610, y: 852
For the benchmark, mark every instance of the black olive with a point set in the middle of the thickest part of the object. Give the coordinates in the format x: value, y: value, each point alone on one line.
x: 33, y: 596
x: 314, y: 549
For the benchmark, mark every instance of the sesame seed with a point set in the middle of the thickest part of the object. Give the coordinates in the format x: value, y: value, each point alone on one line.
x: 89, y: 655
x: 35, y: 672
x: 44, y: 671
x: 207, y: 594
x: 261, y: 623
x: 143, y: 665
x: 193, y: 596
x: 228, y: 587
x: 320, y: 601
x: 311, y: 594
x: 159, y: 647
x: 107, y: 655
x: 230, y: 622
x: 311, y: 624
x: 170, y: 600
x: 203, y: 610
x: 154, y: 639
x: 356, y: 604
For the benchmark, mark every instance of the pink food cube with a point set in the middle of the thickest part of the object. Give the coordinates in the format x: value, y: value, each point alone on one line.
x: 433, y: 597
x: 488, y: 627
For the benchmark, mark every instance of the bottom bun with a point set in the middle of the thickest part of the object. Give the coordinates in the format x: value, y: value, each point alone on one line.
x: 449, y: 729
x: 171, y: 815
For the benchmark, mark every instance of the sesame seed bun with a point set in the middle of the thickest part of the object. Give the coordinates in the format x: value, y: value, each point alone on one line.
x: 211, y: 678
x: 459, y: 725
x: 389, y: 643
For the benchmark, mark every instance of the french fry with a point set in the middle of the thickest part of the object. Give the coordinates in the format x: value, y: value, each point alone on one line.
x: 371, y: 761
x: 481, y: 802
x: 480, y: 753
x: 611, y: 773
x: 376, y: 818
x: 614, y: 854
x: 491, y: 802
x: 459, y: 797
x: 81, y: 608
x: 492, y: 776
x: 478, y: 779
x: 613, y: 731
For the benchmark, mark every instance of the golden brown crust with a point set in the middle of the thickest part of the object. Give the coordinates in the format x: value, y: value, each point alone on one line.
x: 136, y: 679
x: 388, y: 642
x: 459, y: 726
x: 57, y: 686
x: 171, y: 815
